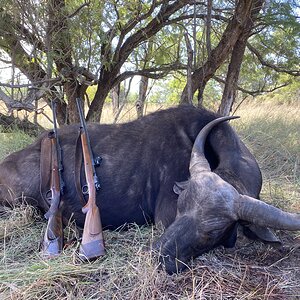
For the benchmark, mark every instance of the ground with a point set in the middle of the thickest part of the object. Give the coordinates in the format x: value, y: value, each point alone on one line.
x: 251, y: 270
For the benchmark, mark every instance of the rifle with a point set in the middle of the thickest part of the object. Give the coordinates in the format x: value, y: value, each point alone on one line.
x: 92, y: 245
x: 53, y: 237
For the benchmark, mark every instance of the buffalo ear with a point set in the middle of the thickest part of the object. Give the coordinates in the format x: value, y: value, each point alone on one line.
x: 264, y: 234
x: 180, y: 186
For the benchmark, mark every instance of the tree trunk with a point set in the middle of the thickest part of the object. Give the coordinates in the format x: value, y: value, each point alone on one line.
x: 61, y: 113
x: 72, y: 91
x: 139, y: 105
x: 200, y: 95
x: 208, y: 27
x: 104, y: 86
x: 234, y: 67
x: 115, y: 97
x: 189, y: 68
x: 62, y: 56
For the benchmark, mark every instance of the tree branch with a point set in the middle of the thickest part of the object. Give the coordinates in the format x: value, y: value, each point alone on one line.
x: 189, y: 68
x: 198, y: 16
x: 150, y: 72
x: 253, y: 93
x: 32, y: 84
x: 133, y: 22
x: 73, y: 14
x: 208, y: 27
x: 149, y: 30
x: 269, y: 64
x: 12, y: 104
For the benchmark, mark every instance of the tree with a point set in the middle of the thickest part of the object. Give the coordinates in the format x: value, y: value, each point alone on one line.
x: 143, y: 85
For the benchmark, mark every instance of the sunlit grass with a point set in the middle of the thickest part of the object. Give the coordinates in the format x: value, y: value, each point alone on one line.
x: 273, y: 134
x: 13, y: 140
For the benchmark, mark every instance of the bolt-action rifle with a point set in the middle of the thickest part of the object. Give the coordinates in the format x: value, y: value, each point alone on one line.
x: 53, y: 237
x: 92, y: 245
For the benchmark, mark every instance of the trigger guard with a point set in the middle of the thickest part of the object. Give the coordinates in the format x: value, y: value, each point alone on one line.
x: 85, y: 190
x: 48, y: 195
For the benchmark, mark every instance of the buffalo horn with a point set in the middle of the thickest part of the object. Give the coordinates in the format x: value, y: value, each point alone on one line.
x: 198, y: 161
x: 265, y: 215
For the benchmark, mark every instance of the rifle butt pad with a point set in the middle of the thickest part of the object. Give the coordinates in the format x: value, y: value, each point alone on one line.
x: 92, y: 250
x: 52, y: 248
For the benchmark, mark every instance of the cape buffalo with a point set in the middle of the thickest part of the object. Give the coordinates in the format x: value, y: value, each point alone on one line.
x: 141, y: 162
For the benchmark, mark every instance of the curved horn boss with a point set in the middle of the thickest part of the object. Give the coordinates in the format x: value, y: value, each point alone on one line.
x: 208, y: 210
x: 198, y: 160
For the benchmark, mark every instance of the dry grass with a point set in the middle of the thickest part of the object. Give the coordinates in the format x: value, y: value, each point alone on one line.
x: 129, y: 271
x: 251, y: 270
x: 272, y: 132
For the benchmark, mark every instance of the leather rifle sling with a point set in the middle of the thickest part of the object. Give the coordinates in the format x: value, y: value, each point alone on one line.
x: 78, y: 174
x: 45, y: 170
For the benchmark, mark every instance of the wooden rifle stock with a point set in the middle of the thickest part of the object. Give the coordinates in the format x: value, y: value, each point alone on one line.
x: 92, y: 245
x: 53, y: 238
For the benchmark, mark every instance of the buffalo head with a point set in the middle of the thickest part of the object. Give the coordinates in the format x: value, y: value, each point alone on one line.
x: 208, y: 210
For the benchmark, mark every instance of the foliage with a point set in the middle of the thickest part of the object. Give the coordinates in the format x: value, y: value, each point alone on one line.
x: 278, y: 42
x: 99, y: 44
x: 286, y: 95
x: 167, y: 90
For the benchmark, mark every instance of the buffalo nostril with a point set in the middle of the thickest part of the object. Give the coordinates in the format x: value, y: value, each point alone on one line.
x: 166, y: 261
x: 171, y: 264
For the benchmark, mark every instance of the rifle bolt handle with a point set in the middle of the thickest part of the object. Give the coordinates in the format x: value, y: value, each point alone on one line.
x: 97, y: 161
x: 97, y: 186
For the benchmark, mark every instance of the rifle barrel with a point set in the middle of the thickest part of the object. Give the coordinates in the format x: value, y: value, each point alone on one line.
x: 58, y: 147
x: 83, y: 127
